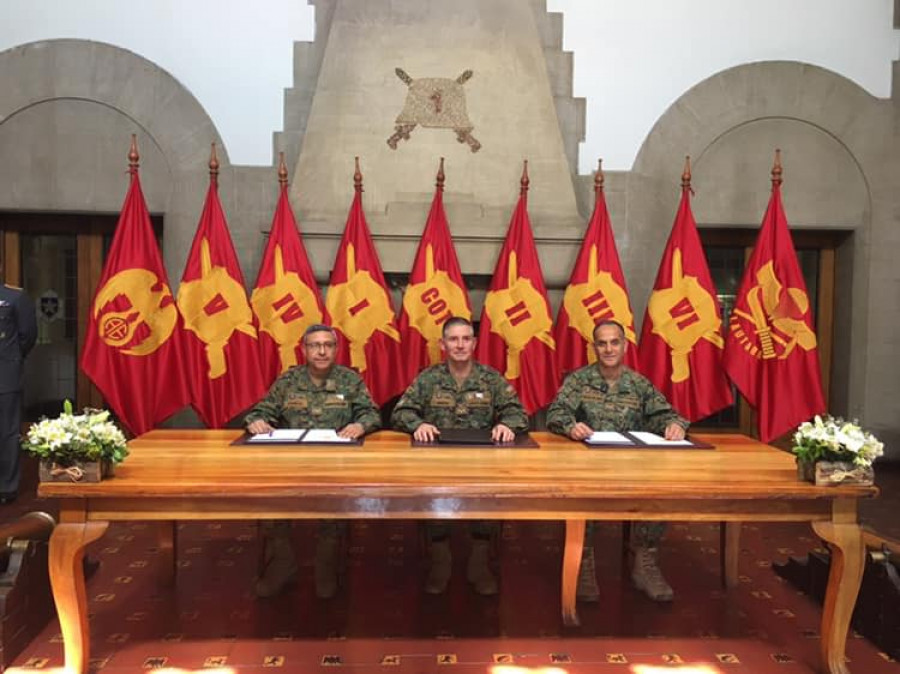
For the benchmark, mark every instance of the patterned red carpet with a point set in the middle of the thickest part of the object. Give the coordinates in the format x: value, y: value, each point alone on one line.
x: 381, y: 621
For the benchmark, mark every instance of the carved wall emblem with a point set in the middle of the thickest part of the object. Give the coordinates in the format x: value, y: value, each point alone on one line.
x: 436, y: 102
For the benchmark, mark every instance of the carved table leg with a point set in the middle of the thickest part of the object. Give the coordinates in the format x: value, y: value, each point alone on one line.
x: 844, y: 579
x: 67, y: 580
x: 731, y: 549
x: 571, y: 564
x: 168, y: 552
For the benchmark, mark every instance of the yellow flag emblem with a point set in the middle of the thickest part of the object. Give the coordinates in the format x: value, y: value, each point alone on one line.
x: 430, y: 303
x: 214, y: 306
x: 682, y: 315
x: 598, y: 299
x: 285, y: 308
x: 117, y: 328
x: 518, y: 314
x: 771, y: 305
x: 358, y: 307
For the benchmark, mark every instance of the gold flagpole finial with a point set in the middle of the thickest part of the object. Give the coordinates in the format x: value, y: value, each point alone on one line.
x: 282, y: 170
x: 357, y: 177
x: 776, y: 168
x: 524, y: 182
x: 599, y: 178
x: 686, y: 174
x: 133, y: 157
x: 213, y: 164
x: 440, y: 176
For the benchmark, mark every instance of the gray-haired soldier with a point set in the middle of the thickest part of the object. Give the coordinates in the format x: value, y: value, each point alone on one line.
x: 319, y: 394
x: 608, y: 396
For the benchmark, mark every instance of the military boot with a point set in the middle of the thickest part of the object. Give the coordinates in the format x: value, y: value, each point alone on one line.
x: 441, y: 564
x: 587, y: 589
x: 478, y: 572
x: 280, y: 566
x: 647, y: 577
x: 326, y: 565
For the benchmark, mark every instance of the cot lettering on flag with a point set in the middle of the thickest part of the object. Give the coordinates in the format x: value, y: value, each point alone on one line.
x: 514, y: 335
x: 771, y: 351
x: 436, y: 290
x: 133, y: 349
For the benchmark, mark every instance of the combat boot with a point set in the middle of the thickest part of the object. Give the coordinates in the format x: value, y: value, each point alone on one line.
x: 647, y: 577
x: 280, y: 566
x: 326, y: 576
x: 441, y: 564
x: 587, y: 589
x: 478, y: 572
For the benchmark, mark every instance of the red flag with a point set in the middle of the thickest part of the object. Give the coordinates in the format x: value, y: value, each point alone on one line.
x: 133, y: 349
x: 225, y: 372
x: 596, y: 293
x: 436, y: 291
x: 358, y: 305
x: 285, y: 298
x: 681, y: 337
x: 514, y: 336
x: 771, y: 351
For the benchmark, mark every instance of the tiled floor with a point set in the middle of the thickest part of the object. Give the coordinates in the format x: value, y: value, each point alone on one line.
x: 381, y: 621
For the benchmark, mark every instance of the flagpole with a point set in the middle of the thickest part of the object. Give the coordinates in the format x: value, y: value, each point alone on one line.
x: 776, y: 169
x: 134, y: 158
x: 213, y: 166
x: 282, y: 171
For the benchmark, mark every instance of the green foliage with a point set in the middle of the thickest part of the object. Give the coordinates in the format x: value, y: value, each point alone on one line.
x: 89, y: 436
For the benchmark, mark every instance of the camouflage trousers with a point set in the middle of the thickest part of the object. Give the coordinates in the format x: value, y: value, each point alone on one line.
x: 643, y: 534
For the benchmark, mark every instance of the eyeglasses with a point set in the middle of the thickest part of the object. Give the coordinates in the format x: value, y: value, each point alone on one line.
x: 323, y: 346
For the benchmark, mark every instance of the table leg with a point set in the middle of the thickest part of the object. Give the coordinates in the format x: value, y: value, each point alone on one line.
x: 66, y: 555
x: 168, y: 552
x: 730, y: 534
x: 844, y: 579
x: 571, y: 564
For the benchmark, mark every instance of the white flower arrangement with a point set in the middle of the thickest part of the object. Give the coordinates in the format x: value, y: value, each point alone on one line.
x: 70, y: 438
x: 833, y: 439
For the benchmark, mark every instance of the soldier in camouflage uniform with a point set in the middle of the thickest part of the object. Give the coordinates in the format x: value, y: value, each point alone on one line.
x: 460, y: 393
x: 610, y: 397
x: 319, y: 394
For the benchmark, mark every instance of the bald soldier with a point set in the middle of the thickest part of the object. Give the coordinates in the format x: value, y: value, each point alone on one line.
x: 319, y: 394
x: 460, y: 393
x: 607, y: 396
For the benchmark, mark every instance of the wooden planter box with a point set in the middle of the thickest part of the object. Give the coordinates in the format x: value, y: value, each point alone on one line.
x: 79, y: 471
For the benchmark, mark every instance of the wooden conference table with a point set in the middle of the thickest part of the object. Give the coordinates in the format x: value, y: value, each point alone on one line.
x: 199, y: 475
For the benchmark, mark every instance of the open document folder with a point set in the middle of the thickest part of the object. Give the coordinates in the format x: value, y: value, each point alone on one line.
x: 286, y: 436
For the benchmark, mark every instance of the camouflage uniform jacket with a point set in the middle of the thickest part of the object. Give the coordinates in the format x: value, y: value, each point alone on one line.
x: 294, y: 401
x: 484, y: 400
x: 633, y: 404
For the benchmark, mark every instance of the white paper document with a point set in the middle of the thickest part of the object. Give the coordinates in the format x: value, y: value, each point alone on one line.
x: 654, y: 439
x: 278, y: 435
x: 323, y: 435
x: 608, y: 438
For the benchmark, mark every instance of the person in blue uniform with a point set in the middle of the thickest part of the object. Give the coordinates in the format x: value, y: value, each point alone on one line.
x: 18, y: 333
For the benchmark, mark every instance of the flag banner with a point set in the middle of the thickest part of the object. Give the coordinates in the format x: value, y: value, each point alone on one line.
x: 133, y: 349
x: 514, y: 336
x: 436, y: 291
x: 225, y: 373
x: 681, y: 337
x: 771, y: 352
x: 596, y: 292
x: 285, y: 298
x: 359, y: 307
